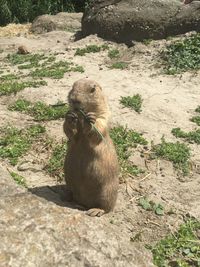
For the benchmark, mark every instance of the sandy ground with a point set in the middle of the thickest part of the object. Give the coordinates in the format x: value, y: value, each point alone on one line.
x: 169, y: 101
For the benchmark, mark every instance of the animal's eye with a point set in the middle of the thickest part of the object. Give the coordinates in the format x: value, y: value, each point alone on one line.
x: 93, y: 89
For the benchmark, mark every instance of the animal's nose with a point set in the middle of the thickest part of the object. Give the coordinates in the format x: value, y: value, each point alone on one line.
x: 75, y: 102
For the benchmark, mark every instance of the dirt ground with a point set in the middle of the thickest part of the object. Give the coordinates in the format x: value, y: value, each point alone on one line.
x: 169, y: 102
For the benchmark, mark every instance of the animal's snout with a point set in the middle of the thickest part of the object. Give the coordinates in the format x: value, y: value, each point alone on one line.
x: 76, y: 102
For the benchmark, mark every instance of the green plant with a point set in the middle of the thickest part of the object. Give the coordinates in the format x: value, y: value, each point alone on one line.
x: 39, y: 110
x: 31, y: 60
x: 181, y: 249
x: 12, y: 87
x: 192, y: 137
x: 113, y: 53
x: 182, y: 55
x: 14, y: 143
x: 8, y: 77
x: 18, y: 179
x: 55, y: 166
x: 56, y: 70
x: 119, y: 65
x: 151, y: 206
x: 125, y: 140
x: 196, y: 119
x: 177, y: 153
x: 90, y: 49
x: 134, y: 102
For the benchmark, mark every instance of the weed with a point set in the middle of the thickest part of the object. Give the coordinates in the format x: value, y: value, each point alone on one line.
x: 20, y: 180
x: 124, y: 140
x: 8, y: 88
x: 14, y: 143
x: 113, y: 53
x: 177, y: 153
x: 147, y: 41
x: 182, y: 55
x: 90, y: 49
x: 39, y: 110
x: 32, y: 60
x: 56, y: 70
x: 55, y: 166
x: 8, y: 77
x: 197, y: 109
x: 133, y: 102
x: 152, y: 206
x: 119, y: 65
x: 192, y: 137
x: 181, y: 249
x: 196, y: 119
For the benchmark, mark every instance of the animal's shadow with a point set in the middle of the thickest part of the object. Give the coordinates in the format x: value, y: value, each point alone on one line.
x: 59, y: 194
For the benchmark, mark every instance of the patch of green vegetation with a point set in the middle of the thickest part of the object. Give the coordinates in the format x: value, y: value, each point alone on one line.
x: 32, y: 60
x: 197, y: 109
x: 182, y: 55
x: 177, y: 153
x: 90, y: 49
x: 119, y: 65
x: 196, y: 119
x: 113, y: 53
x: 134, y: 102
x: 180, y: 249
x: 14, y: 143
x: 8, y: 88
x: 151, y: 206
x: 20, y: 180
x: 125, y: 140
x: 9, y: 77
x: 55, y: 166
x: 39, y: 110
x: 192, y: 137
x: 56, y: 70
x: 147, y: 41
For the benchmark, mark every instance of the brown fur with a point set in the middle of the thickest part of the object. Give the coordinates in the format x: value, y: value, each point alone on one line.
x: 22, y: 50
x: 91, y: 165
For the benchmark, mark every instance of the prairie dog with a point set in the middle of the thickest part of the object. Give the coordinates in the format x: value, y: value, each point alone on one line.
x: 22, y: 50
x: 91, y: 165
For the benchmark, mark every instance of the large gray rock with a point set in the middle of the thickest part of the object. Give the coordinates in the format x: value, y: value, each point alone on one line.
x: 127, y: 20
x: 36, y: 232
x: 61, y: 21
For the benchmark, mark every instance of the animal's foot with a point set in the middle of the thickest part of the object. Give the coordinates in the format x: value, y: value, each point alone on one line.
x: 95, y: 212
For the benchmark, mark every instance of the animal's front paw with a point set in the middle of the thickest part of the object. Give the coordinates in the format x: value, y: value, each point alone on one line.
x: 91, y: 117
x: 71, y: 118
x: 95, y: 212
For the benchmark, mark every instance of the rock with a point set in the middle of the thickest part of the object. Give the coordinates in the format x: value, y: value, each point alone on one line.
x: 36, y: 232
x: 61, y: 21
x: 127, y: 20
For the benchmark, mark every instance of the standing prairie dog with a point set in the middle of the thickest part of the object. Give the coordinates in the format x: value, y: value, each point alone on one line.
x: 91, y: 165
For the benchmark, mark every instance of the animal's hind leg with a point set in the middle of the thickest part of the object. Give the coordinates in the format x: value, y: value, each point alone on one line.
x: 95, y: 212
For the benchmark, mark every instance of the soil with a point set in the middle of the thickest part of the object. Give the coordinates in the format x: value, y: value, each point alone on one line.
x: 169, y: 102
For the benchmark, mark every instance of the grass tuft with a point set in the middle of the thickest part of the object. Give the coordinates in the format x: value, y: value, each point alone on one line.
x: 113, y: 53
x: 56, y: 70
x: 39, y: 110
x: 14, y: 143
x: 180, y: 249
x: 125, y: 140
x: 177, y: 153
x: 149, y: 205
x: 90, y: 49
x: 132, y: 102
x: 8, y: 88
x: 119, y: 65
x: 182, y: 55
x: 20, y: 180
x: 55, y: 166
x: 191, y: 137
